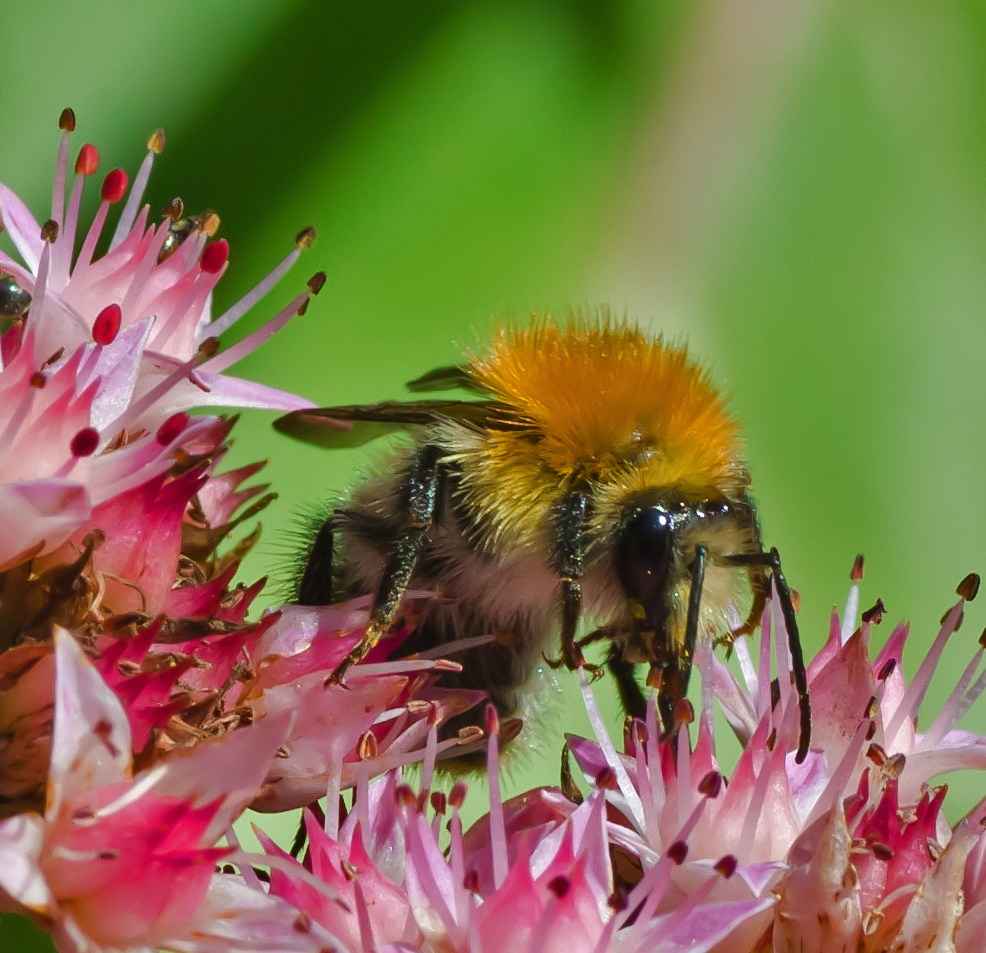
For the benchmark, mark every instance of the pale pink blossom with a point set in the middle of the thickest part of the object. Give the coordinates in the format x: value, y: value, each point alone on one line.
x: 839, y: 851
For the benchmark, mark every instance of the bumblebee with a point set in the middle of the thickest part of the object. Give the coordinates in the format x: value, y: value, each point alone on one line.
x: 594, y: 471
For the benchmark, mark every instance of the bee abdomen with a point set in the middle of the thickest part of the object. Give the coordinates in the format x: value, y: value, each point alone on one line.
x: 502, y: 667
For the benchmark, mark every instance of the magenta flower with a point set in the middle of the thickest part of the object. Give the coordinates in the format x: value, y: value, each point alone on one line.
x: 838, y: 851
x: 122, y: 860
x: 665, y: 853
x: 99, y: 371
x: 107, y: 494
x: 111, y: 511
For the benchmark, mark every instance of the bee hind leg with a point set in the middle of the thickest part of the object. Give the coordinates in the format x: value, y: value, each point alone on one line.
x: 421, y: 492
x: 315, y: 588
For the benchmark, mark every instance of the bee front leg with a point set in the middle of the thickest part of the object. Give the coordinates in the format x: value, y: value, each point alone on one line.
x: 421, y: 493
x: 771, y: 560
x: 571, y: 515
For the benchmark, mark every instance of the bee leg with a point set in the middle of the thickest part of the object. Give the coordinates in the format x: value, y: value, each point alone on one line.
x: 631, y: 697
x: 315, y: 588
x: 772, y: 561
x: 687, y: 652
x: 671, y: 675
x: 569, y: 562
x: 421, y: 493
x: 797, y: 656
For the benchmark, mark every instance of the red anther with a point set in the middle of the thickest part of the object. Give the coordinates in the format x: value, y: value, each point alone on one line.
x: 84, y: 443
x: 49, y: 231
x: 316, y: 282
x: 617, y: 900
x: 887, y: 669
x: 114, y: 186
x: 439, y: 802
x: 404, y: 795
x: 559, y: 886
x: 492, y: 721
x: 66, y: 121
x: 969, y: 587
x: 677, y: 852
x: 107, y: 324
x: 38, y: 380
x: 684, y: 713
x: 857, y: 569
x: 214, y: 256
x: 88, y: 161
x: 726, y: 866
x: 457, y: 795
x: 877, y: 754
x: 606, y: 779
x: 171, y: 428
x: 710, y: 785
x: 471, y: 882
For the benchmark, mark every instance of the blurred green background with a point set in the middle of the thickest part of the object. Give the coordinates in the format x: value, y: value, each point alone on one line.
x: 797, y: 188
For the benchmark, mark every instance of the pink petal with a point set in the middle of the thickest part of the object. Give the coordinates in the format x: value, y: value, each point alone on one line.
x: 36, y: 516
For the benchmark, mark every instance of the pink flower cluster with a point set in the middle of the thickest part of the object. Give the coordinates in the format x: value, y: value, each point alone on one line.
x: 142, y: 711
x: 127, y: 660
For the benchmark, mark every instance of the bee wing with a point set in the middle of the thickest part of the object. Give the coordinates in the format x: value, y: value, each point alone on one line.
x: 353, y: 426
x: 450, y: 377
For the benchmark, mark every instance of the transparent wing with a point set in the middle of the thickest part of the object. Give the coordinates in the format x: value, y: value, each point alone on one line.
x: 353, y: 426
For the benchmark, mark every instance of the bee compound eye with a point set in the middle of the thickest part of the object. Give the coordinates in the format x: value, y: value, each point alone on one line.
x: 643, y: 557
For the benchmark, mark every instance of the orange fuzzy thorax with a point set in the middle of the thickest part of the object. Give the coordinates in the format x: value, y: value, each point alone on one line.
x: 603, y: 394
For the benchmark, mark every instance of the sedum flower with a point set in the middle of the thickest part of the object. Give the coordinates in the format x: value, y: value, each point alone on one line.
x: 141, y: 709
x: 849, y: 850
x: 107, y: 353
x: 842, y: 851
x: 123, y: 859
x: 110, y: 510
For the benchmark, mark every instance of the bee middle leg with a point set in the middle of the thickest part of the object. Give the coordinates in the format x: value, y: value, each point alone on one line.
x: 421, y: 494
